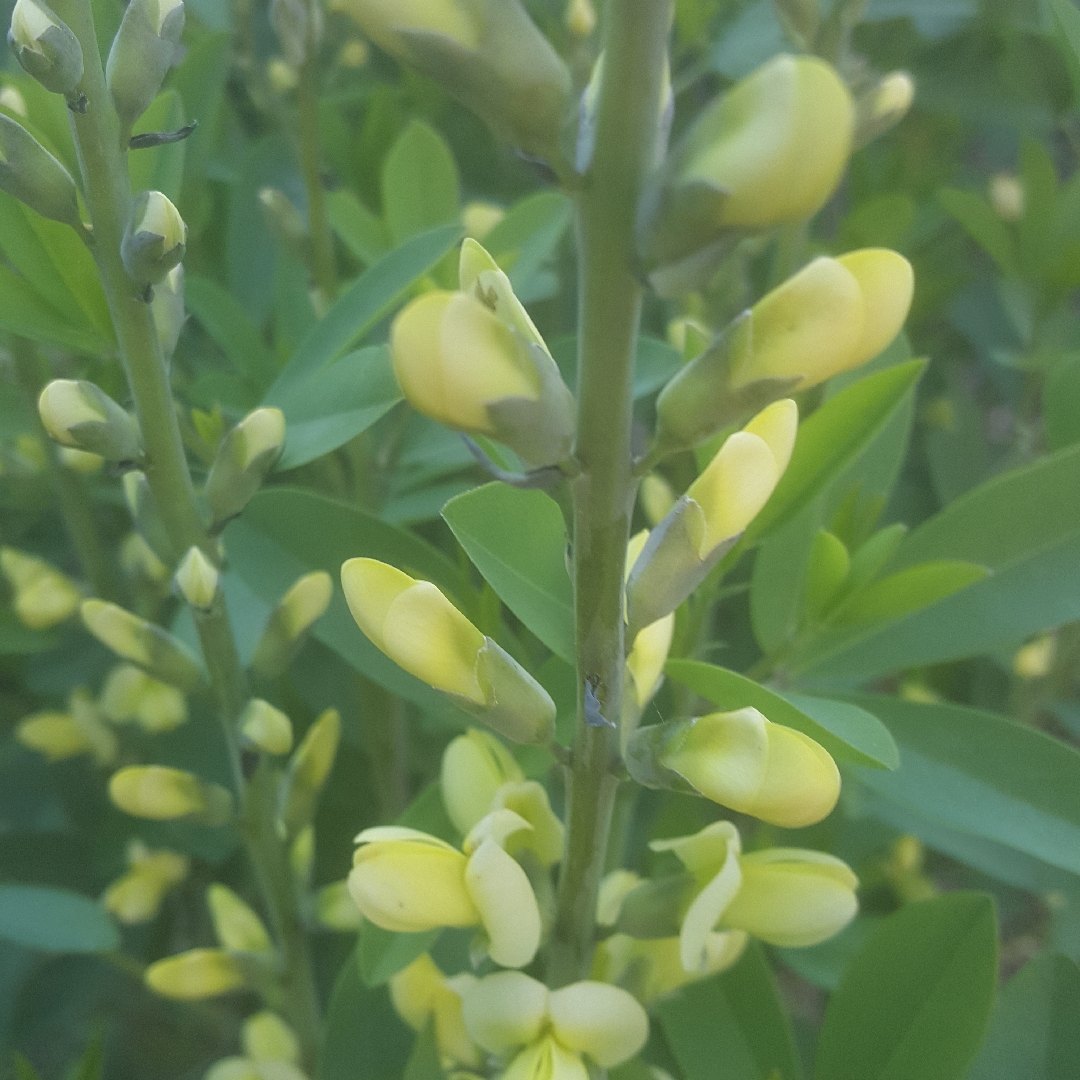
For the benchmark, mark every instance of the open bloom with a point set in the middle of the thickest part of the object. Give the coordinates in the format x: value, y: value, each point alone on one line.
x: 130, y: 695
x: 420, y: 630
x: 785, y: 896
x: 421, y: 993
x: 408, y: 881
x: 550, y: 1032
x: 744, y: 761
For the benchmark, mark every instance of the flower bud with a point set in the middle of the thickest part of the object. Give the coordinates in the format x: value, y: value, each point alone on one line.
x: 545, y: 837
x: 749, y: 764
x: 163, y: 794
x: 283, y: 78
x: 407, y: 881
x: 145, y: 47
x: 479, y: 218
x: 308, y: 770
x: 168, y: 310
x: 46, y: 48
x: 474, y: 361
x: 290, y: 621
x: 420, y: 630
x: 266, y: 1037
x: 139, y: 559
x: 335, y: 908
x: 43, y: 596
x: 197, y: 579
x: 102, y: 741
x: 54, y: 734
x: 302, y: 854
x: 474, y: 766
x: 285, y: 221
x: 657, y: 498
x: 33, y: 176
x: 299, y: 28
x: 155, y: 239
x: 580, y: 18
x: 137, y: 896
x: 80, y: 461
x: 708, y: 519
x: 883, y: 106
x: 1035, y: 660
x: 237, y: 927
x: 79, y: 414
x: 487, y: 53
x: 422, y: 994
x: 770, y: 150
x: 1007, y: 196
x: 143, y: 643
x: 148, y: 522
x: 649, y: 653
x: 12, y: 100
x: 244, y: 459
x: 266, y: 728
x: 194, y: 975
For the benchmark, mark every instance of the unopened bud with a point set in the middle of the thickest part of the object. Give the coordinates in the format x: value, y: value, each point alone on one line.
x: 479, y: 218
x: 137, y: 557
x: 266, y: 728
x: 197, y: 579
x: 282, y: 77
x: 155, y: 239
x: 244, y: 460
x: 147, y: 519
x: 43, y: 596
x: 143, y: 643
x: 80, y: 461
x: 299, y: 27
x: 46, y: 47
x: 168, y: 310
x: 54, y: 734
x: 196, y: 974
x: 883, y: 106
x: 238, y: 928
x: 290, y: 622
x: 160, y: 793
x: 308, y: 770
x: 1035, y: 660
x: 266, y: 1037
x: 1007, y: 196
x: 33, y: 176
x: 145, y: 47
x: 12, y: 100
x: 136, y: 897
x: 336, y: 909
x: 354, y: 54
x: 580, y: 18
x: 80, y: 414
x: 302, y: 854
x: 130, y: 695
x: 657, y: 498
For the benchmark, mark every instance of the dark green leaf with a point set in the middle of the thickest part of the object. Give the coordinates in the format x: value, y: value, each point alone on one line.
x: 980, y: 222
x: 916, y: 998
x: 423, y: 1063
x: 360, y: 230
x: 55, y: 920
x: 227, y: 323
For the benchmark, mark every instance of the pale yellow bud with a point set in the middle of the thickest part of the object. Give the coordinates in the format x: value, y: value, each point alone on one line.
x: 29, y: 21
x: 651, y: 644
x: 54, y: 734
x: 197, y: 579
x: 282, y: 75
x: 1035, y: 660
x: 157, y: 792
x: 266, y: 727
x: 580, y: 18
x: 12, y: 100
x: 266, y: 1037
x: 335, y: 908
x: 136, y: 556
x: 776, y: 143
x: 120, y: 630
x: 479, y: 218
x: 1007, y: 196
x: 744, y: 761
x: 129, y: 694
x: 383, y: 20
x: 238, y: 928
x: 614, y: 888
x: 306, y: 601
x: 657, y: 498
x: 893, y: 96
x: 80, y: 461
x: 63, y: 405
x: 422, y: 994
x: 263, y: 433
x: 43, y: 596
x: 161, y: 218
x: 136, y: 897
x: 194, y: 975
x: 354, y: 54
x: 474, y: 766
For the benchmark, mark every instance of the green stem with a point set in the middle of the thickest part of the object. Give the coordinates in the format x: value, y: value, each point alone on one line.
x: 323, y: 266
x: 636, y: 34
x: 75, y: 507
x: 107, y: 188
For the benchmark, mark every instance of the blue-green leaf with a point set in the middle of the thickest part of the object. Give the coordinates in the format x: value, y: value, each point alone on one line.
x: 55, y: 920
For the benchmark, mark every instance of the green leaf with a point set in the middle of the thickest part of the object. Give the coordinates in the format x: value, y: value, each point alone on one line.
x: 1021, y: 528
x: 1061, y: 401
x: 24, y: 1070
x: 524, y: 242
x: 517, y: 540
x: 831, y: 439
x: 23, y: 311
x: 1067, y: 19
x: 363, y: 1038
x: 979, y: 221
x: 850, y: 734
x: 916, y: 998
x: 824, y: 965
x: 55, y: 920
x: 285, y: 532
x: 368, y: 300
x: 159, y: 168
x: 420, y: 187
x: 423, y: 1063
x: 984, y: 775
x: 329, y: 407
x: 1034, y: 1032
x: 359, y: 229
x: 733, y: 1026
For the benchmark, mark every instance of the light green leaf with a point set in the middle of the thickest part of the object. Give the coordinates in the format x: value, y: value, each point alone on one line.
x: 1034, y: 1032
x: 22, y: 311
x: 55, y: 920
x: 420, y: 187
x: 733, y: 1026
x: 517, y: 540
x: 984, y: 775
x: 368, y: 300
x: 364, y: 234
x: 524, y: 242
x: 979, y: 221
x: 916, y: 998
x: 849, y: 734
x: 329, y: 407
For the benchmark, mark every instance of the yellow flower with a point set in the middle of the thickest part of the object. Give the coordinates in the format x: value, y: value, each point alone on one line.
x: 129, y: 694
x: 43, y: 596
x: 657, y: 498
x: 420, y: 630
x: 744, y: 761
x: 54, y: 734
x: 550, y: 1032
x: 407, y: 881
x: 194, y: 975
x: 776, y: 144
x: 786, y: 896
x: 162, y: 794
x: 267, y: 728
x: 421, y: 993
x: 266, y: 1037
x: 136, y: 897
x: 649, y: 653
x: 832, y: 316
x: 238, y: 928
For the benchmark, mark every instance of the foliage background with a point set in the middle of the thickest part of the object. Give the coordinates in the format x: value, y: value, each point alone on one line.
x: 995, y: 314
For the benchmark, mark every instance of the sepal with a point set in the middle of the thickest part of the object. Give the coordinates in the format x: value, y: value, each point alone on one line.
x: 33, y: 176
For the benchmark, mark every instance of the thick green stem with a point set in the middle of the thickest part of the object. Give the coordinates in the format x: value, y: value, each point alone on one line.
x: 75, y: 507
x: 323, y: 266
x: 103, y: 161
x: 629, y: 109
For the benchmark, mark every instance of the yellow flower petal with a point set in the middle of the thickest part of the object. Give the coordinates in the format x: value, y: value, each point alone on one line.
x: 474, y: 766
x: 196, y: 974
x: 504, y: 897
x: 602, y: 1021
x: 370, y: 588
x: 505, y: 1010
x: 887, y: 284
